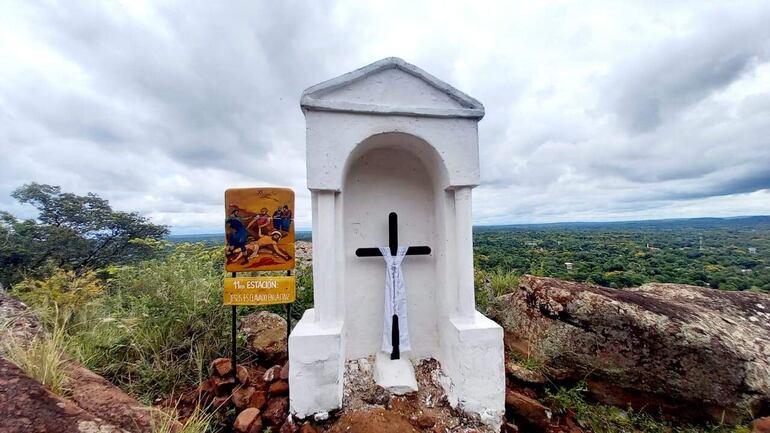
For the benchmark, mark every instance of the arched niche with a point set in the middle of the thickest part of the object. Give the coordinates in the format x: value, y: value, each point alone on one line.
x: 392, y: 172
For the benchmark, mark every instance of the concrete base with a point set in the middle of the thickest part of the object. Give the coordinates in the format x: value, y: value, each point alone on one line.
x: 473, y: 360
x: 316, y: 366
x: 471, y: 357
x: 395, y: 375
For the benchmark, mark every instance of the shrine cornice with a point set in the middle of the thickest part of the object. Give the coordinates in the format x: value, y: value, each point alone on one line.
x: 309, y: 103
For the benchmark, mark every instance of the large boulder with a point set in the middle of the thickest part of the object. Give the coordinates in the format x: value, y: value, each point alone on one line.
x: 266, y: 336
x: 695, y: 353
x: 98, y: 396
x: 18, y: 320
x: 89, y: 392
x: 26, y: 406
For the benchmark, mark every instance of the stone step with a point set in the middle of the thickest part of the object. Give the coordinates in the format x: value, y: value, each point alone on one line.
x: 395, y: 375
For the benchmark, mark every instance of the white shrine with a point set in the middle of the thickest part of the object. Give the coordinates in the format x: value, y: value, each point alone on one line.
x: 390, y: 137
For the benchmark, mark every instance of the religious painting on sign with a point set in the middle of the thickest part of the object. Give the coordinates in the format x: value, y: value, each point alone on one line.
x: 259, y: 229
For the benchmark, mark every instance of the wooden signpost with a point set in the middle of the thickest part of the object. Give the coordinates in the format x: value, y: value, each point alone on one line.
x: 259, y: 236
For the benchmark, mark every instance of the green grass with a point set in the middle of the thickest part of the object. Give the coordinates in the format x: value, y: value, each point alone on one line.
x: 503, y: 282
x: 607, y: 419
x: 528, y: 361
x: 491, y: 284
x: 159, y: 324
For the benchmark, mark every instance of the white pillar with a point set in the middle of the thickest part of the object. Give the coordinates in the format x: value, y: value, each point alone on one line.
x: 324, y: 258
x: 466, y: 303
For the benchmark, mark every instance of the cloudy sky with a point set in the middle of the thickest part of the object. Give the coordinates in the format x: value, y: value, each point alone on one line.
x: 595, y: 110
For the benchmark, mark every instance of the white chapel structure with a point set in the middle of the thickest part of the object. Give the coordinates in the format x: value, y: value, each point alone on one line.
x: 389, y: 137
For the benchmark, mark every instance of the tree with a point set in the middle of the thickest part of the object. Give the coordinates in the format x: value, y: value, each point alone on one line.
x: 15, y: 251
x: 72, y: 232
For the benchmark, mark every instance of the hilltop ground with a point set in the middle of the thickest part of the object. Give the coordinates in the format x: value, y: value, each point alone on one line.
x: 153, y: 327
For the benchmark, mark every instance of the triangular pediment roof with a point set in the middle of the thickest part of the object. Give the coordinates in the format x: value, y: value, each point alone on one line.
x: 391, y: 86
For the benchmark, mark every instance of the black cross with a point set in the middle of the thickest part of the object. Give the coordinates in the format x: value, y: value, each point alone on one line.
x: 393, y: 244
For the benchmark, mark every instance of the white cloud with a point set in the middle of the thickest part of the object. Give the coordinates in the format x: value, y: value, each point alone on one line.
x: 595, y: 110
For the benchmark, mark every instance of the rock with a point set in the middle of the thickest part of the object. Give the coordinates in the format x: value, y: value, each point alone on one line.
x: 18, y: 320
x: 26, y: 406
x: 524, y: 374
x: 221, y: 402
x: 509, y: 428
x: 101, y: 402
x: 761, y: 425
x: 257, y: 379
x: 204, y: 393
x: 242, y: 396
x: 98, y: 396
x: 266, y: 336
x: 289, y: 427
x: 375, y: 420
x: 279, y: 388
x: 207, y: 387
x: 271, y: 374
x: 570, y: 424
x: 223, y: 386
x: 276, y: 412
x: 309, y: 428
x: 321, y: 416
x: 221, y: 367
x: 248, y: 421
x: 376, y: 395
x: 242, y: 374
x: 426, y: 421
x: 257, y: 426
x: 527, y: 411
x: 684, y: 351
x: 285, y: 372
x: 258, y: 399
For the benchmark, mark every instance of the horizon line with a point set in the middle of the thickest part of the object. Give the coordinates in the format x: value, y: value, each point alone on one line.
x: 309, y: 230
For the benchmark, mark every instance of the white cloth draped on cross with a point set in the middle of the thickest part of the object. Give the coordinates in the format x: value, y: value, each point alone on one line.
x: 395, y: 301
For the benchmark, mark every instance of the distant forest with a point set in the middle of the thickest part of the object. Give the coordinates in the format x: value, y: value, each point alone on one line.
x: 721, y: 253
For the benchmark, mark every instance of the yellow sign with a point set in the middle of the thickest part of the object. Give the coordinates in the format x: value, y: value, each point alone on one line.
x: 260, y: 290
x: 259, y: 229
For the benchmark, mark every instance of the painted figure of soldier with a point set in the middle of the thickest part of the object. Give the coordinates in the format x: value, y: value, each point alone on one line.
x: 238, y: 235
x: 285, y: 218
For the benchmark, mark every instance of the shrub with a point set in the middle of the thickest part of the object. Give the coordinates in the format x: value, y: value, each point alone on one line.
x: 503, y: 282
x: 59, y: 295
x: 160, y: 324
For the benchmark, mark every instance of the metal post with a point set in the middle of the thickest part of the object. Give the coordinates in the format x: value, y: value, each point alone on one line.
x: 288, y: 318
x: 234, y: 337
x: 288, y: 328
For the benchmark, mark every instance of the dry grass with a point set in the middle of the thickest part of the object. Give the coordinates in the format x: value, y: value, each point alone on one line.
x: 198, y: 422
x: 42, y: 358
